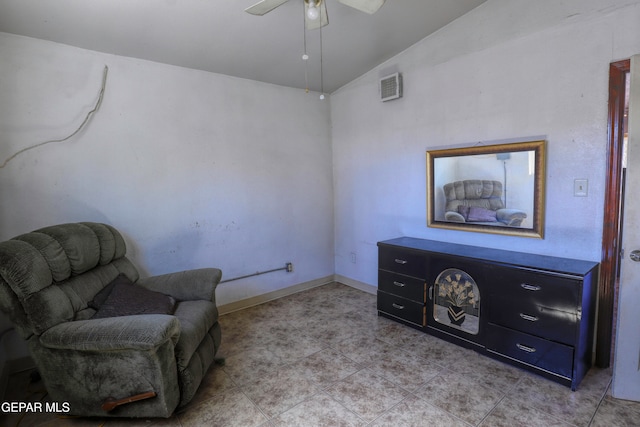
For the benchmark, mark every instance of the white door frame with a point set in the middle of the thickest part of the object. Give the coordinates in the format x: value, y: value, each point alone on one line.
x: 626, y: 364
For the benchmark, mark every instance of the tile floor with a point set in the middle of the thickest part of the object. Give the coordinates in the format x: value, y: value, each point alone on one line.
x: 324, y: 358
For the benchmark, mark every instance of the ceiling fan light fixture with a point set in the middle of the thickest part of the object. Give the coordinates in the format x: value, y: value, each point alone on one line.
x: 313, y: 11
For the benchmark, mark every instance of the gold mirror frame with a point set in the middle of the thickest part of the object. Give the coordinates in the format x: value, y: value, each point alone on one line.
x: 535, y: 151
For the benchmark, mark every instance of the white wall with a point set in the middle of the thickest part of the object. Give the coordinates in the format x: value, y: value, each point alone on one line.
x: 195, y: 169
x: 510, y: 70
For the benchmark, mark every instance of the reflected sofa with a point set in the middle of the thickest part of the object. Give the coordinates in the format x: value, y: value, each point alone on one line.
x: 479, y: 202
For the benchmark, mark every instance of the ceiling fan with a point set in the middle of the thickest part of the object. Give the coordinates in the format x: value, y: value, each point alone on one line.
x: 315, y: 9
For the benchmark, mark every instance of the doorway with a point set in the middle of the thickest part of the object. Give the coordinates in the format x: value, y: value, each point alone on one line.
x: 613, y: 211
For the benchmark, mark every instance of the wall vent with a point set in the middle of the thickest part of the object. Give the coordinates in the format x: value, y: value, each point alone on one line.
x: 391, y: 87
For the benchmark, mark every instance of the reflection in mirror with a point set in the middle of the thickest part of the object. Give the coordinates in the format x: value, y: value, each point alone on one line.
x: 494, y: 189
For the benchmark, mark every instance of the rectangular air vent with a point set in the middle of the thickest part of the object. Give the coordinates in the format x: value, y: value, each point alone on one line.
x: 391, y: 87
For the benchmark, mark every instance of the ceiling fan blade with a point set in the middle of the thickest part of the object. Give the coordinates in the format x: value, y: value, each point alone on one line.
x: 322, y: 20
x: 367, y: 6
x: 264, y: 6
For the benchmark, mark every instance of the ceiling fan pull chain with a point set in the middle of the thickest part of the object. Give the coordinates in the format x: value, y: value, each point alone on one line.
x: 321, y: 73
x: 305, y: 56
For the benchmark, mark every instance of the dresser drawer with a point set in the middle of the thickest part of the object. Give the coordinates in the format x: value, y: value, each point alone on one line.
x: 403, y: 262
x: 542, y: 289
x: 545, y: 322
x: 402, y: 308
x: 550, y: 356
x: 403, y: 286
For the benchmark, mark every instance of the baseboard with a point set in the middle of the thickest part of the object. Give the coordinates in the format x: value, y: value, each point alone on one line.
x: 365, y: 287
x: 270, y: 296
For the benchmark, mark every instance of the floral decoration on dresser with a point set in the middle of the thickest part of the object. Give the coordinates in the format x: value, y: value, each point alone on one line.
x: 456, y: 287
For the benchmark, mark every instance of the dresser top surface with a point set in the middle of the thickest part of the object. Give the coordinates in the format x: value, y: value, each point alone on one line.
x: 543, y: 262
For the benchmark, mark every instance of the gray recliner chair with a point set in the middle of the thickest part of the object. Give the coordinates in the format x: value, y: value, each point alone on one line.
x: 480, y: 202
x: 104, y: 341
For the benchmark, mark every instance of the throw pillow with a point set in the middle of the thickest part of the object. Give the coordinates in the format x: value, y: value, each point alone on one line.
x: 102, y: 296
x: 464, y: 211
x: 127, y: 299
x: 477, y: 214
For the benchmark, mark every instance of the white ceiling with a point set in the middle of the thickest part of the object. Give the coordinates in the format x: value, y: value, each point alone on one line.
x: 218, y: 36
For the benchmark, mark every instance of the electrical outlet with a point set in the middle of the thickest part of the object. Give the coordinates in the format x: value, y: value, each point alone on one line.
x: 289, y: 267
x: 353, y: 257
x: 581, y: 187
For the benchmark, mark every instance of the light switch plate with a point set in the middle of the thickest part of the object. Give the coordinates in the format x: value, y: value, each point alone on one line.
x: 581, y: 187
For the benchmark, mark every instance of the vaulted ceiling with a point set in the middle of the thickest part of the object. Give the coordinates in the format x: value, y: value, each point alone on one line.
x: 218, y: 36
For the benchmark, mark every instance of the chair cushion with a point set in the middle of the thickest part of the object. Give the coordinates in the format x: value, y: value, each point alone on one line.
x: 123, y: 298
x: 196, y: 318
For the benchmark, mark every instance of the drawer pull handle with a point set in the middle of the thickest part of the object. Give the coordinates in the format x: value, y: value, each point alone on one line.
x: 398, y: 306
x: 530, y: 287
x: 526, y: 348
x: 529, y: 317
x: 400, y: 261
x: 399, y: 284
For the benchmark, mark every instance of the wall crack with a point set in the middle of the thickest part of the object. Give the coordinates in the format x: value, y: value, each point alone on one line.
x: 84, y: 122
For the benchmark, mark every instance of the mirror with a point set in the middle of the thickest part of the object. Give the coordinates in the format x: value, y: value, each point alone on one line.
x: 488, y: 188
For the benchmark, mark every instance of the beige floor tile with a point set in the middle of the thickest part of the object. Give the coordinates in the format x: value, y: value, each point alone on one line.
x: 279, y: 391
x: 361, y: 320
x: 174, y: 421
x: 237, y: 340
x: 614, y: 412
x: 511, y: 412
x: 366, y: 394
x: 576, y: 408
x: 486, y: 371
x: 460, y: 396
x: 228, y: 409
x: 325, y: 367
x: 286, y: 308
x: 247, y: 366
x: 398, y: 335
x: 290, y: 348
x: 629, y: 404
x: 363, y: 350
x: 435, y: 349
x: 404, y: 369
x: 331, y: 306
x: 215, y: 382
x: 319, y: 410
x: 414, y: 412
x: 330, y: 331
x: 597, y: 381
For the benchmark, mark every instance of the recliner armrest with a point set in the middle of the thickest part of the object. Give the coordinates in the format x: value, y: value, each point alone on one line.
x: 198, y: 284
x: 140, y: 332
x: 453, y: 217
x: 512, y: 217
